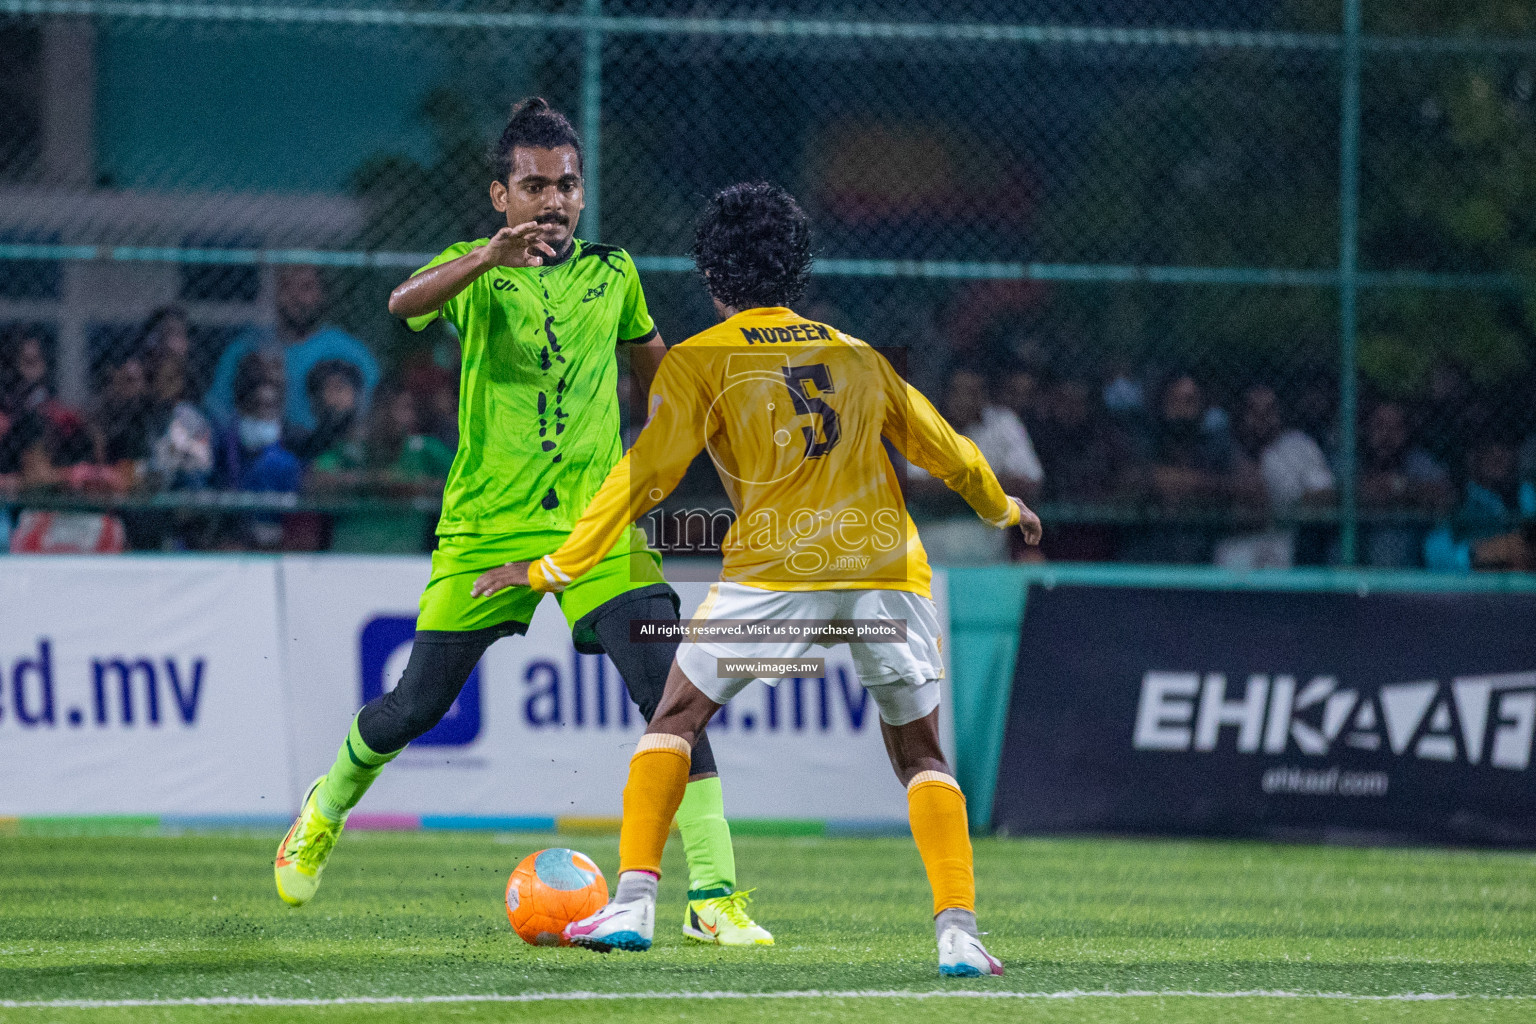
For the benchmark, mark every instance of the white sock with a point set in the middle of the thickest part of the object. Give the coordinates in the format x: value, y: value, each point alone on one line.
x: 639, y: 885
x: 954, y: 917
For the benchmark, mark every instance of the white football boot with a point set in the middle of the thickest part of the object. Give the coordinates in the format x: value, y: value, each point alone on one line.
x: 961, y: 955
x: 615, y: 926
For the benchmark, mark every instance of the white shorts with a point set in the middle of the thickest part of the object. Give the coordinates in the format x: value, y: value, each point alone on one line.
x: 902, y: 677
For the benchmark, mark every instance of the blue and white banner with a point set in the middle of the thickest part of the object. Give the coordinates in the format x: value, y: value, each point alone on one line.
x: 541, y: 730
x: 223, y: 686
x: 141, y: 686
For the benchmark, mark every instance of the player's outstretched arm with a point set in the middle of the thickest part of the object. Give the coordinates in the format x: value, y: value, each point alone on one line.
x: 427, y: 291
x: 927, y: 440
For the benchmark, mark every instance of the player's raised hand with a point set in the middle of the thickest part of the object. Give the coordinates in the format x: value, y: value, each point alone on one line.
x: 1029, y: 523
x: 518, y: 246
x: 513, y: 574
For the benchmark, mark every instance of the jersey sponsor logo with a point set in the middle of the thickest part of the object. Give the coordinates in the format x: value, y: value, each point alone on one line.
x: 794, y: 332
x: 503, y: 284
x: 1475, y: 720
x: 595, y: 293
x: 384, y: 647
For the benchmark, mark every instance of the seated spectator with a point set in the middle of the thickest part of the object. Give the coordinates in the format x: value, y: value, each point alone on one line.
x: 302, y: 343
x: 335, y: 390
x: 1450, y: 417
x: 44, y: 443
x: 997, y: 430
x: 435, y: 383
x: 1314, y: 407
x: 1087, y: 460
x: 1085, y: 457
x: 1019, y: 391
x: 1486, y: 531
x: 181, y: 454
x: 1194, y: 460
x: 250, y: 452
x: 1005, y: 443
x: 166, y: 336
x: 23, y: 373
x: 124, y: 418
x: 1193, y: 470
x: 1396, y: 476
x: 1124, y: 394
x: 1295, y: 474
x: 394, y: 458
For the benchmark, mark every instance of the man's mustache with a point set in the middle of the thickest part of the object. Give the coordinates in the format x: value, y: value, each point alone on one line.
x: 552, y: 218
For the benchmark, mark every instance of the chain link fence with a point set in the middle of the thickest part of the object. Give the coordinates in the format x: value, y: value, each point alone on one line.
x: 1243, y: 281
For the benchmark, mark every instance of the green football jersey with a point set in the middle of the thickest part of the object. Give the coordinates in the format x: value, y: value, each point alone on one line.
x: 538, y: 392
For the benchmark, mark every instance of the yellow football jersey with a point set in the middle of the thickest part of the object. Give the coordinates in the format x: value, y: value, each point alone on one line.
x: 794, y: 415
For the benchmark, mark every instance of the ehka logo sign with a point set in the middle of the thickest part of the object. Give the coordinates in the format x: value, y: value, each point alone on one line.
x: 1476, y: 720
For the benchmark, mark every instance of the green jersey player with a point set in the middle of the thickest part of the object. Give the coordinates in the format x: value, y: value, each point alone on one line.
x: 540, y: 315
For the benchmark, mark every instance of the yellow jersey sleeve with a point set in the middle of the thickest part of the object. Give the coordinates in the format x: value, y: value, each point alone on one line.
x: 672, y: 436
x: 926, y: 440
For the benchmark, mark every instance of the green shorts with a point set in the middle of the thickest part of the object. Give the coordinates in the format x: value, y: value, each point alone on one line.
x: 632, y: 566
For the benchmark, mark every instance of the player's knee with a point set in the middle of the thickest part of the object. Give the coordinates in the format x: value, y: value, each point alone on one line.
x: 901, y: 704
x: 418, y: 720
x: 403, y: 715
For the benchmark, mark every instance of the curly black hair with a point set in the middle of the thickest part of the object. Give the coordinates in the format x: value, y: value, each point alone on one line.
x: 753, y: 246
x: 533, y: 123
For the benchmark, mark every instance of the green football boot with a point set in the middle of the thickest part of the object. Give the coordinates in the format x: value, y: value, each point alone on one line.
x: 724, y: 921
x: 302, y: 854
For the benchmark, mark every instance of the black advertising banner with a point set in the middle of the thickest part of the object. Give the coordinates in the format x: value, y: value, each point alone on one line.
x: 1385, y: 717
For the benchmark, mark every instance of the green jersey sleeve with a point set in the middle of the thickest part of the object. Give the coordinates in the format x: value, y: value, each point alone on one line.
x: 452, y: 308
x: 635, y: 323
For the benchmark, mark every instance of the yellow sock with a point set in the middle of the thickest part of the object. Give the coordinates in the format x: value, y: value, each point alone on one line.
x: 658, y: 774
x: 936, y: 808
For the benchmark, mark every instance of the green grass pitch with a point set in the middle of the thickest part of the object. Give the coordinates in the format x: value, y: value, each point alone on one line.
x: 1099, y: 930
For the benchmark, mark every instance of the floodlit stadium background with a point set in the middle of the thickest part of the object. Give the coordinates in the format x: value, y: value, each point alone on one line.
x: 1331, y: 199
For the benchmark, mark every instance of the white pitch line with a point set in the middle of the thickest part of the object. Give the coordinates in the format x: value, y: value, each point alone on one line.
x: 551, y: 997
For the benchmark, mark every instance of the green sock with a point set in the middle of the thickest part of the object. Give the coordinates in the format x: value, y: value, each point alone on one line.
x: 349, y: 778
x: 706, y: 840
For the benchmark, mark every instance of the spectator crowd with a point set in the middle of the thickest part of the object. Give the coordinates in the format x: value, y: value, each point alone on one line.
x: 1127, y: 463
x: 1154, y: 468
x: 294, y: 409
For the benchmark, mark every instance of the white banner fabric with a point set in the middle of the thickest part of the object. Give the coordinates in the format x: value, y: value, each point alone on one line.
x: 141, y: 686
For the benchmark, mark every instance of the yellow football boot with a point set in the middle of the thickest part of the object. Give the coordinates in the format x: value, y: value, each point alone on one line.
x: 302, y: 854
x: 724, y: 921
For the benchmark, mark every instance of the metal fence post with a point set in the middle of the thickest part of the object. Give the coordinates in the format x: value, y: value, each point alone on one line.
x: 591, y: 118
x: 1349, y: 216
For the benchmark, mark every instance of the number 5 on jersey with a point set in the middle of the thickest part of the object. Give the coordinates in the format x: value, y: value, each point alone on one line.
x: 799, y: 380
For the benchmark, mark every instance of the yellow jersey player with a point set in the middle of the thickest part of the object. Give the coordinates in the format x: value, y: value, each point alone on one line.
x: 795, y: 415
